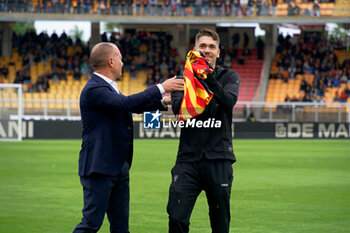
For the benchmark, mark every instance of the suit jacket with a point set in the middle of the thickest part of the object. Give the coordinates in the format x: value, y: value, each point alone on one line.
x: 108, y: 127
x: 212, y: 143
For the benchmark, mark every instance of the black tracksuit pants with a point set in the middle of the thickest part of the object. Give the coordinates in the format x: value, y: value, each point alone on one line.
x: 188, y: 180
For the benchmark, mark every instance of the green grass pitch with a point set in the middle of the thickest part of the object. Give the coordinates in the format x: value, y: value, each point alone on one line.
x: 294, y: 186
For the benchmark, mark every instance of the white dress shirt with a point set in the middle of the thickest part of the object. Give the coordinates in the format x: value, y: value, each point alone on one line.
x: 109, y: 81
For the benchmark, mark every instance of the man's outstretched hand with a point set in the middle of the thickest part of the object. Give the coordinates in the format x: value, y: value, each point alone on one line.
x: 173, y: 84
x: 167, y: 100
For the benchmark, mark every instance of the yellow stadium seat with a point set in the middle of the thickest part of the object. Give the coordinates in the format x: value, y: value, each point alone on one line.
x: 40, y: 68
x: 43, y: 95
x: 28, y: 95
x: 11, y: 74
x: 60, y: 88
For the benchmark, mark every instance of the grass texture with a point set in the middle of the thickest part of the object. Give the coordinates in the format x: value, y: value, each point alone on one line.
x: 294, y: 186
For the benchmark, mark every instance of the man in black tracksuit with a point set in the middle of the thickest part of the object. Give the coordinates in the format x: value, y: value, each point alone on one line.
x: 205, y: 156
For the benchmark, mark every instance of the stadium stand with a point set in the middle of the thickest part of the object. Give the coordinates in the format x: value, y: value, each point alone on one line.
x: 306, y: 8
x: 249, y: 73
x: 310, y: 70
x: 56, y: 68
x: 179, y: 8
x: 341, y: 8
x: 53, y: 70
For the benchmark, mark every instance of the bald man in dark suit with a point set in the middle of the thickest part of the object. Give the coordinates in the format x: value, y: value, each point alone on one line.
x: 107, y: 145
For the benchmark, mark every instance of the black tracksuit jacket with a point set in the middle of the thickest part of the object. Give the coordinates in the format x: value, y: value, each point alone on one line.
x: 212, y: 143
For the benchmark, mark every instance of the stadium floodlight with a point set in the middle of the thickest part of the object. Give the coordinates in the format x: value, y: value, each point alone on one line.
x: 11, y: 112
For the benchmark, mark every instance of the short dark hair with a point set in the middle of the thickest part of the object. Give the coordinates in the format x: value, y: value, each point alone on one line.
x: 208, y: 32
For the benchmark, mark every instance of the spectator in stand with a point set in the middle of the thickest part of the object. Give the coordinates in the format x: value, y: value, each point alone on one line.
x: 244, y: 6
x: 218, y: 7
x: 87, y: 6
x: 162, y: 7
x: 246, y: 39
x: 205, y: 8
x: 316, y: 9
x: 122, y: 7
x: 343, y: 77
x: 130, y: 7
x: 287, y: 99
x: 19, y: 77
x: 314, y: 98
x: 227, y: 5
x: 321, y: 89
x: 166, y: 7
x: 321, y: 100
x: 347, y: 90
x: 235, y: 7
x: 144, y: 7
x: 164, y: 67
x: 307, y: 68
x: 138, y: 4
x: 177, y: 8
x: 324, y: 68
x: 308, y: 89
x: 292, y: 68
x: 291, y: 9
x: 343, y: 97
x: 299, y: 68
x: 211, y: 8
x: 26, y: 76
x: 274, y: 6
x: 149, y: 82
x: 184, y: 5
x: 259, y: 6
x: 227, y: 61
x: 250, y: 6
x: 158, y: 77
x: 2, y: 5
x: 336, y: 97
x: 133, y: 70
x: 260, y: 46
x: 303, y: 85
x: 4, y: 71
x: 114, y: 6
x: 159, y: 7
x: 294, y: 99
x: 266, y: 7
x: 317, y: 75
x: 336, y: 81
x: 76, y: 73
x: 306, y: 98
x: 42, y: 83
x: 84, y: 67
x: 279, y: 75
x: 328, y: 79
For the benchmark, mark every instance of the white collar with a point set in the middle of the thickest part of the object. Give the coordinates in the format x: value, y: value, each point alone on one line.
x: 108, y: 80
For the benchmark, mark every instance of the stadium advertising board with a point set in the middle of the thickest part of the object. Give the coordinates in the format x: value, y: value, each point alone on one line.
x: 259, y: 130
x: 64, y: 129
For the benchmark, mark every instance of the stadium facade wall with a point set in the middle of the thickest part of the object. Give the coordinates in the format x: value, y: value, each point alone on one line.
x: 64, y: 129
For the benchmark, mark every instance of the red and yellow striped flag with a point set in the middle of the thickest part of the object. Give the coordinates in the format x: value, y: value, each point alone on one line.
x: 196, y: 93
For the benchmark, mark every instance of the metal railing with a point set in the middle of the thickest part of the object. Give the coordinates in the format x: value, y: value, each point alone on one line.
x: 262, y: 111
x: 169, y: 10
x: 292, y: 112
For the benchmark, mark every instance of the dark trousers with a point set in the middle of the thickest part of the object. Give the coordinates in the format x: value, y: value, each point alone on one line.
x: 105, y: 194
x: 188, y: 180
